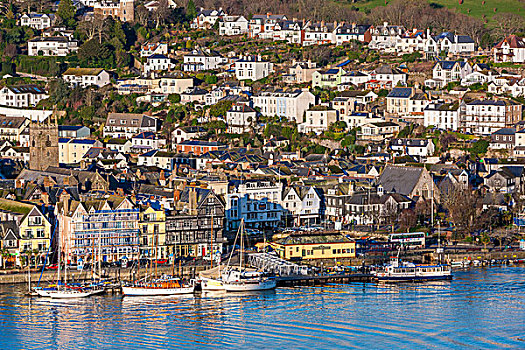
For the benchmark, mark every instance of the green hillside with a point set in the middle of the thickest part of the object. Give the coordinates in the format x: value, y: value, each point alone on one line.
x: 477, y: 9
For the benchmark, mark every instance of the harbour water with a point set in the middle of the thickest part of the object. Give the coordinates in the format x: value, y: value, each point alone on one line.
x: 479, y: 309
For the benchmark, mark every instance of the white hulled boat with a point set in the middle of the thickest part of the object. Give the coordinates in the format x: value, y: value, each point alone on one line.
x: 399, y: 271
x: 241, y: 279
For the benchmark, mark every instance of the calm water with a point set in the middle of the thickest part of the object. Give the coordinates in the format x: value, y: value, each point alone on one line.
x: 480, y: 309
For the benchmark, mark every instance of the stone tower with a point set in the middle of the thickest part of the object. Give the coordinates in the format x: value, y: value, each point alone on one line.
x: 127, y: 11
x: 43, y: 144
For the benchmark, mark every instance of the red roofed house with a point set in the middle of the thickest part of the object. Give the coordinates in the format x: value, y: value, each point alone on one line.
x: 510, y: 49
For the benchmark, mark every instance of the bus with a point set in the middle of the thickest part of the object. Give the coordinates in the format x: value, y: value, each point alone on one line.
x: 408, y: 239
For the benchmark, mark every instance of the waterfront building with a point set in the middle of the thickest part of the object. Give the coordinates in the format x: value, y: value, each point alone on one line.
x: 309, y: 246
x: 108, y: 229
x: 197, y: 220
x: 153, y: 233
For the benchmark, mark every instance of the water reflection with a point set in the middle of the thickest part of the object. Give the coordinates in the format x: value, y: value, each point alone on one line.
x: 479, y: 309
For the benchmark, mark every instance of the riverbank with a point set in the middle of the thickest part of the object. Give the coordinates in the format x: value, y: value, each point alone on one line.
x: 112, y: 273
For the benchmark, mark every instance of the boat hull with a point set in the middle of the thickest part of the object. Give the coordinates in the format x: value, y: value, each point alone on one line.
x: 394, y: 279
x: 144, y: 291
x: 250, y: 286
x: 209, y: 284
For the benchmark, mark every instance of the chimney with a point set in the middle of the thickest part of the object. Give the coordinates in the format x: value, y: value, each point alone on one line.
x: 45, y: 198
x: 335, y: 24
x: 192, y: 200
x: 322, y: 23
x: 428, y: 33
x: 385, y: 24
x: 268, y: 14
x: 47, y: 182
x: 66, y: 199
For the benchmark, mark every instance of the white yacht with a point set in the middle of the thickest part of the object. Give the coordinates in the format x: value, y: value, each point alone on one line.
x: 242, y: 279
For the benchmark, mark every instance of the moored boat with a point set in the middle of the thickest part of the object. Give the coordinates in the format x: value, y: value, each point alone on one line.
x: 164, y: 286
x: 400, y: 271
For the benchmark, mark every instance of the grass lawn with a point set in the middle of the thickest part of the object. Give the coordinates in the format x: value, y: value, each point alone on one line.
x: 475, y: 6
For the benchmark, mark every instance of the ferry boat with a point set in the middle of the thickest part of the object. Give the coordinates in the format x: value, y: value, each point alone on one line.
x: 400, y: 271
x: 162, y: 286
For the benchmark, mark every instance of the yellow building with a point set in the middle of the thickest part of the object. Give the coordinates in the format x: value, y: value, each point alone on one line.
x: 35, y: 233
x: 308, y: 246
x: 153, y: 233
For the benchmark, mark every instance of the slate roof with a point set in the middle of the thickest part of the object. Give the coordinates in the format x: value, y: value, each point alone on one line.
x: 399, y: 179
x: 400, y: 92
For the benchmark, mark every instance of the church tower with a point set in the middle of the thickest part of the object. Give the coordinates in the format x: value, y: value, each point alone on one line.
x: 43, y: 143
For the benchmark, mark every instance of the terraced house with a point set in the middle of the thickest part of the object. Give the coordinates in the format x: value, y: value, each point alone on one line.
x: 35, y: 234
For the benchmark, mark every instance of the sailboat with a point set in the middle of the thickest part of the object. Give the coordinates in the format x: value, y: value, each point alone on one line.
x: 65, y: 291
x: 241, y: 279
x: 165, y: 285
x: 209, y: 284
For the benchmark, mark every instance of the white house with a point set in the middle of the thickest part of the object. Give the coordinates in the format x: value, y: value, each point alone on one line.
x: 510, y: 49
x: 125, y: 125
x: 449, y: 43
x: 181, y: 133
x: 445, y: 72
x: 199, y: 60
x: 240, y: 118
x: 386, y: 73
x: 318, y: 119
x: 484, y: 117
x: 146, y: 141
x: 22, y: 95
x: 252, y: 68
x: 444, y: 116
x: 38, y: 21
x: 319, y: 33
x: 156, y: 158
x: 290, y: 104
x: 84, y: 77
x: 413, y: 147
x: 150, y: 49
x: 157, y: 63
x: 51, y: 46
x: 206, y: 19
x: 173, y: 85
x: 233, y: 25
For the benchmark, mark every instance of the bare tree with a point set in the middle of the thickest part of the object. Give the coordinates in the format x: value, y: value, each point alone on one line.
x: 142, y: 15
x: 508, y: 23
x: 463, y: 207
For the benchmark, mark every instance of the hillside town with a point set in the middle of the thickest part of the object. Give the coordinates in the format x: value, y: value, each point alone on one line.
x: 156, y: 129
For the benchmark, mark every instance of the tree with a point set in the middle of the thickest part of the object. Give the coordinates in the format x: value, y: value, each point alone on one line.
x: 142, y: 15
x: 463, y: 207
x: 174, y: 98
x: 191, y: 10
x: 66, y: 12
x: 407, y: 219
x: 220, y: 108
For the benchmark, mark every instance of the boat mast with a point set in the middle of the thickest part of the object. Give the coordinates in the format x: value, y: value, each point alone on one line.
x: 242, y: 243
x: 156, y: 238
x: 234, y: 242
x: 211, y: 239
x: 100, y: 255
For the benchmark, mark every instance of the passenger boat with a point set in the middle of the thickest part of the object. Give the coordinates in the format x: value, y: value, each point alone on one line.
x: 399, y: 271
x: 162, y: 286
